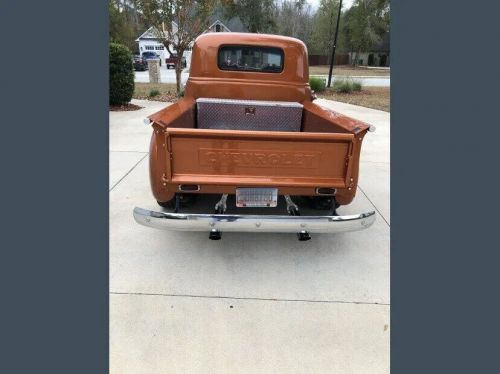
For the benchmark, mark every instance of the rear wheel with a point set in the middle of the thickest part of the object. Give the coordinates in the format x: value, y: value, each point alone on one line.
x: 167, y: 204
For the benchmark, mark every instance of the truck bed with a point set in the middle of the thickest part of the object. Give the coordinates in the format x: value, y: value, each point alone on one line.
x: 319, y: 148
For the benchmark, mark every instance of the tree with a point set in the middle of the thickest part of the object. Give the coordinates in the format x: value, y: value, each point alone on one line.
x: 294, y: 18
x: 176, y: 24
x: 256, y: 15
x: 368, y: 21
x: 125, y: 23
x: 325, y: 20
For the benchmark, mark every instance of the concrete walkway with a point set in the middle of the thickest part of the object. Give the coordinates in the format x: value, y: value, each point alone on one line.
x: 249, y: 303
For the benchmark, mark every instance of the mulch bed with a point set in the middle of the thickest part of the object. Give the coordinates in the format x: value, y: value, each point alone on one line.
x: 124, y: 108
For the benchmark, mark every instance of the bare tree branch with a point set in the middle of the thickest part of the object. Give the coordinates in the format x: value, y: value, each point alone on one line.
x: 177, y: 23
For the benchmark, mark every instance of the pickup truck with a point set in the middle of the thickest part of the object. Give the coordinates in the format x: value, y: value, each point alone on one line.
x: 172, y: 60
x: 247, y: 130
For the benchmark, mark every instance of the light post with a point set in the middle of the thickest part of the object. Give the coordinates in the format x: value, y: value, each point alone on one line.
x: 334, y: 45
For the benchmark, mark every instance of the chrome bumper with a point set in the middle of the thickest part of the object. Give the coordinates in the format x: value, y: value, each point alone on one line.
x: 253, y: 223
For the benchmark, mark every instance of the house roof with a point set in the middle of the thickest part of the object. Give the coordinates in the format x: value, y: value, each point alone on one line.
x: 235, y: 25
x: 218, y: 22
x: 148, y: 34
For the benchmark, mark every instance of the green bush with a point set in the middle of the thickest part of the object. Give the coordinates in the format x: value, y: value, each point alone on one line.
x: 346, y: 85
x: 154, y: 92
x: 317, y: 84
x: 121, y: 74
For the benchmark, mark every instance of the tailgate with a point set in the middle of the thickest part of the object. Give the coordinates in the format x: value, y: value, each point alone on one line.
x: 258, y: 158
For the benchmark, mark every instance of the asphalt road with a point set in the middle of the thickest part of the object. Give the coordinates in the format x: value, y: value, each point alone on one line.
x: 167, y: 75
x: 249, y: 303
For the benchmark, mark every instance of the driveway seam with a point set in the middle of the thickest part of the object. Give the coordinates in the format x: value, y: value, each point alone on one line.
x: 248, y: 298
x: 128, y: 172
x: 371, y: 202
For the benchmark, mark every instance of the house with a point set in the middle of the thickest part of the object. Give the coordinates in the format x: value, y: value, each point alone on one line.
x: 377, y: 55
x: 148, y: 41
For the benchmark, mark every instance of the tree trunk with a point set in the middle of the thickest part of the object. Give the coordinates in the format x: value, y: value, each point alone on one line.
x: 178, y: 70
x: 355, y: 60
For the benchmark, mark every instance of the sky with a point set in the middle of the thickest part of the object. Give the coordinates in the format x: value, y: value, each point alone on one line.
x: 346, y: 4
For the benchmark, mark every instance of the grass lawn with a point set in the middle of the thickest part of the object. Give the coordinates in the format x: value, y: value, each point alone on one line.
x: 167, y: 91
x: 349, y: 70
x: 370, y: 97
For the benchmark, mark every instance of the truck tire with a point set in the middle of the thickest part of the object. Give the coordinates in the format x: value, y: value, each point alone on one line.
x: 167, y: 204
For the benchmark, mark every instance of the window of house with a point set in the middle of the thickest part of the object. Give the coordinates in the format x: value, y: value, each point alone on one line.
x: 218, y: 28
x: 251, y: 58
x: 150, y: 48
x: 160, y: 47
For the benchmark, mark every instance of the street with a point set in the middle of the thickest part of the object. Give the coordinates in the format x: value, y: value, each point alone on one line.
x: 168, y: 76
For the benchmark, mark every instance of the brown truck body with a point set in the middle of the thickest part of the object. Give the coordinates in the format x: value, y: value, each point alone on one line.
x: 325, y: 153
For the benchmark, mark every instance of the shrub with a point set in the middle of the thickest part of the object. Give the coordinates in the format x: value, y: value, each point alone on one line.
x: 154, y: 92
x: 346, y: 85
x: 317, y: 84
x: 121, y: 74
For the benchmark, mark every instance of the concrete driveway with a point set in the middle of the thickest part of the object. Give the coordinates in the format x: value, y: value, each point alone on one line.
x: 249, y: 303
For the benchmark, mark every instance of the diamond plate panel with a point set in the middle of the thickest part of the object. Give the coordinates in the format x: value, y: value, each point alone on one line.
x: 228, y: 114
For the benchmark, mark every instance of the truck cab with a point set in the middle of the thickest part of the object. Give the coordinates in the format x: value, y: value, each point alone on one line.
x: 247, y: 126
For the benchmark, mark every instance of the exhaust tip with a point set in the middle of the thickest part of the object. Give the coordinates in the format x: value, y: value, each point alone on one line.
x: 214, y: 235
x: 325, y: 191
x: 189, y: 187
x: 303, y: 236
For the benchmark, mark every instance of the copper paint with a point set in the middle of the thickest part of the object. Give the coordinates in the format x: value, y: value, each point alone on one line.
x: 325, y: 154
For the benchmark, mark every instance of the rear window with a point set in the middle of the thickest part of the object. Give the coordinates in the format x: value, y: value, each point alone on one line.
x: 249, y: 58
